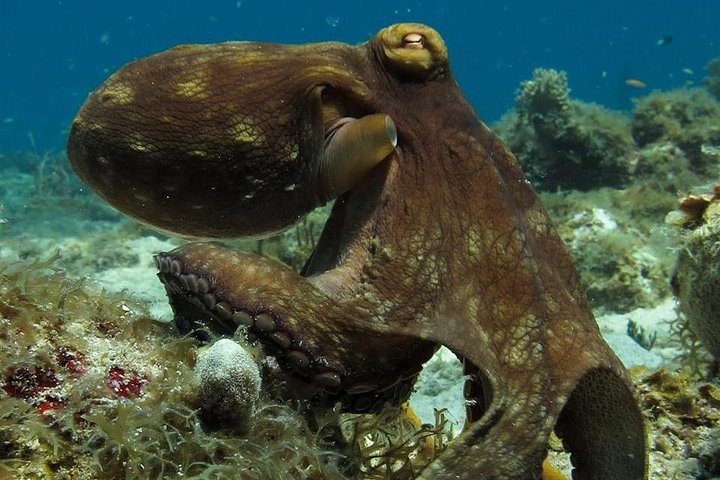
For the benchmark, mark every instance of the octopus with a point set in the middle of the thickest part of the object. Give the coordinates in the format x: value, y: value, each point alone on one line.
x: 435, y: 238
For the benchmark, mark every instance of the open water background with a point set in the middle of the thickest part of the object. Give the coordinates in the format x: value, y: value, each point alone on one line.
x: 54, y: 52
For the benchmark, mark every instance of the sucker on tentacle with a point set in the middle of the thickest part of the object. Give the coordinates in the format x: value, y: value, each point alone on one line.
x: 203, y: 301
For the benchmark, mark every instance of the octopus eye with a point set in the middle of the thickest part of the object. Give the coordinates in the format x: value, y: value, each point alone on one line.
x: 414, y: 41
x: 412, y: 50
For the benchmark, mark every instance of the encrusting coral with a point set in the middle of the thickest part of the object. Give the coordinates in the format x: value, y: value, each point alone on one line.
x: 685, y: 415
x: 565, y: 143
x: 229, y: 385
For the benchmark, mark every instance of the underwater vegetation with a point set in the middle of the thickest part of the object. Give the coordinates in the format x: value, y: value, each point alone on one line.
x: 684, y: 412
x: 93, y: 388
x: 564, y: 143
x: 687, y: 118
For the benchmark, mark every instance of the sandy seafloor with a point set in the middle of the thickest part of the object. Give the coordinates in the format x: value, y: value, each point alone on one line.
x: 45, y: 209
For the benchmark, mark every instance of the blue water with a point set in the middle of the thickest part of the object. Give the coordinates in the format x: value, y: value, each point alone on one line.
x: 55, y: 52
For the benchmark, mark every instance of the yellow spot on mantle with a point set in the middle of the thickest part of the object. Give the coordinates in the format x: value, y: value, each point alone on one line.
x: 139, y: 144
x: 245, y: 130
x: 118, y: 93
x: 194, y: 87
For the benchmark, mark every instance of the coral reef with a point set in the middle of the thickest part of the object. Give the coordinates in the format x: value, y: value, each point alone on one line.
x: 565, y: 143
x: 712, y: 80
x: 229, y: 385
x: 687, y: 118
x: 613, y: 233
x: 696, y: 279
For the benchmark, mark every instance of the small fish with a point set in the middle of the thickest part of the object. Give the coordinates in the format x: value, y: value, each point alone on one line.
x: 664, y: 41
x: 634, y: 82
x: 688, y: 71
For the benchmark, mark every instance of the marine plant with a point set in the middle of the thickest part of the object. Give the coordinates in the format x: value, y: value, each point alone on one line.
x: 91, y: 387
x: 686, y: 412
x: 51, y: 173
x: 622, y: 258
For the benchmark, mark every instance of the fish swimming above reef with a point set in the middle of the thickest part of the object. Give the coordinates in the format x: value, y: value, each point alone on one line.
x: 635, y: 83
x: 435, y: 238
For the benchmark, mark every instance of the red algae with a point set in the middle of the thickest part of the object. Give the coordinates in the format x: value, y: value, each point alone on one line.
x: 71, y: 360
x: 125, y: 384
x: 28, y: 382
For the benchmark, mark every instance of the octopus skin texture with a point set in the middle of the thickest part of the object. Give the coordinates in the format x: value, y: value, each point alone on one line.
x: 435, y: 238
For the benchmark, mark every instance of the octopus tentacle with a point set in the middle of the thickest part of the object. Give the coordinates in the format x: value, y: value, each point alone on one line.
x: 589, y: 431
x: 295, y: 321
x: 494, y: 445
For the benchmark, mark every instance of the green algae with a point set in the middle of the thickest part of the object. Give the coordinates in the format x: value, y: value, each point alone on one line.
x: 81, y: 427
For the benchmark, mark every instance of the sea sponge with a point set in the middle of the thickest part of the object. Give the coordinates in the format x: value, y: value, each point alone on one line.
x: 564, y: 143
x: 229, y: 386
x: 696, y: 279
